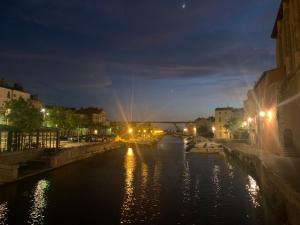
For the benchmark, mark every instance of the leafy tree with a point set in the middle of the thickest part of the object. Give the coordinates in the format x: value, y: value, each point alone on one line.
x: 22, y: 115
x: 204, y: 131
x: 235, y: 128
x: 62, y: 118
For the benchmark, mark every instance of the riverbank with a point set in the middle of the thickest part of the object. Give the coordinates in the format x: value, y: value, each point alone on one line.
x: 16, y: 166
x: 278, y: 177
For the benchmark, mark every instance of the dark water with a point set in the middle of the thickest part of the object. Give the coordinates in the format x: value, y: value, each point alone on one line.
x: 138, y: 186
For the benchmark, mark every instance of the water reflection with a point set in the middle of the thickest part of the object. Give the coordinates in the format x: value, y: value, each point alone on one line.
x: 186, y: 181
x: 3, y: 213
x: 253, y: 190
x: 128, y: 202
x: 216, y: 179
x: 37, y: 211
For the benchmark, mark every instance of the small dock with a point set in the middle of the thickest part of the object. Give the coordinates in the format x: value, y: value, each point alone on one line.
x: 204, y: 146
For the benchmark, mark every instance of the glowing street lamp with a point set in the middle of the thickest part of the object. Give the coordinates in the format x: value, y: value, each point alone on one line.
x: 250, y: 119
x: 130, y: 130
x: 95, y: 132
x: 213, y: 129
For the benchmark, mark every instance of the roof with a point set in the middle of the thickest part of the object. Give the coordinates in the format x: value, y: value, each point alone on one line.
x: 14, y: 89
x: 264, y: 75
x: 279, y: 17
x: 224, y: 108
x: 89, y: 110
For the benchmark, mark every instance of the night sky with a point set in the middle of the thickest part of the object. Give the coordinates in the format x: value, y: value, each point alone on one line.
x: 159, y: 59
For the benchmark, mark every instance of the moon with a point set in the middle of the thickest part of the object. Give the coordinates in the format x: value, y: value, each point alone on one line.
x: 183, y: 5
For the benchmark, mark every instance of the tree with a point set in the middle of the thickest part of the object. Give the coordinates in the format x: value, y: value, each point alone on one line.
x: 64, y: 118
x: 204, y: 131
x: 235, y: 128
x: 23, y: 116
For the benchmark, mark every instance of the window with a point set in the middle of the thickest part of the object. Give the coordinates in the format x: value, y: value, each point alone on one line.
x: 8, y: 94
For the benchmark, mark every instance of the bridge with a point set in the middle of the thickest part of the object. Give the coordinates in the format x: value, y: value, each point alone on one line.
x: 175, y: 123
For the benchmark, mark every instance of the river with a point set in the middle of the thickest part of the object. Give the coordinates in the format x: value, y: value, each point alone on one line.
x: 159, y: 185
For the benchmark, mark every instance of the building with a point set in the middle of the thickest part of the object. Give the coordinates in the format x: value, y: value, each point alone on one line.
x: 96, y: 118
x: 287, y: 34
x: 273, y: 105
x: 222, y: 116
x: 95, y: 115
x: 261, y: 112
x: 8, y: 94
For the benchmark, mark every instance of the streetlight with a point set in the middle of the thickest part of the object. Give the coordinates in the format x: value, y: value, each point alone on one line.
x: 130, y: 130
x: 213, y: 129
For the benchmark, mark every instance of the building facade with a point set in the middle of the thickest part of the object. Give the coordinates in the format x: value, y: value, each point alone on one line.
x: 287, y: 34
x: 8, y: 94
x: 261, y: 116
x: 273, y: 105
x: 222, y: 116
x: 97, y: 119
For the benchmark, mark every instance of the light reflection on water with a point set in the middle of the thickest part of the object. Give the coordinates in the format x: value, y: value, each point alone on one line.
x: 216, y: 179
x: 3, y: 213
x: 253, y: 190
x: 128, y: 202
x: 39, y: 201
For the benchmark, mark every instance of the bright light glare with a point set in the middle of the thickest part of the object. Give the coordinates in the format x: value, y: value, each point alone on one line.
x: 129, y: 151
x: 270, y: 115
x: 250, y: 119
x: 262, y: 114
x: 130, y: 130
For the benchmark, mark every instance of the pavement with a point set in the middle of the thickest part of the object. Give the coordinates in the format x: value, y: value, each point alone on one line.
x: 286, y: 168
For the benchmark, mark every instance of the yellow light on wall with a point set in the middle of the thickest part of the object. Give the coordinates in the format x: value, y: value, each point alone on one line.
x: 270, y: 115
x: 144, y: 131
x: 130, y: 130
x: 185, y: 130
